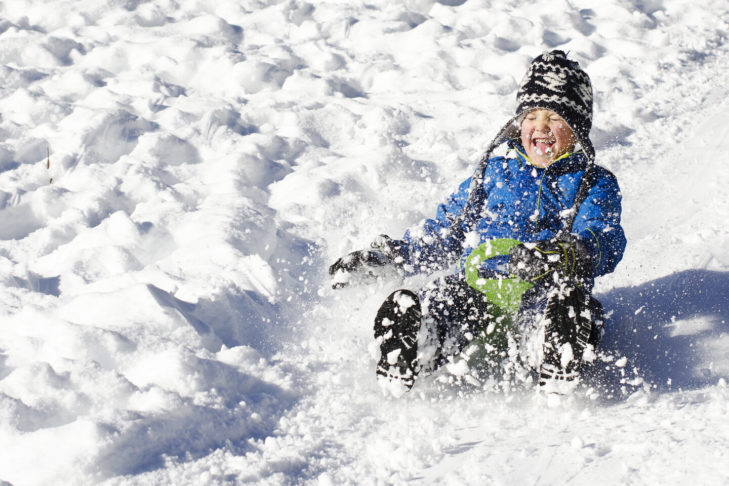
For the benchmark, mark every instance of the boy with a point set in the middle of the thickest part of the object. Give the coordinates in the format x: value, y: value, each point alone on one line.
x: 530, y: 232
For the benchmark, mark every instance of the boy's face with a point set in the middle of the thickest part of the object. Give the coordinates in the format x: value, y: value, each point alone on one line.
x: 545, y: 136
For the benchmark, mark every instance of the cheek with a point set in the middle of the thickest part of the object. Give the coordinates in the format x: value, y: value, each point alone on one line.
x: 564, y: 134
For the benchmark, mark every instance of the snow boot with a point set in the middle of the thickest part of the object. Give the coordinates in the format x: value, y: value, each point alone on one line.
x: 573, y: 322
x: 396, y: 331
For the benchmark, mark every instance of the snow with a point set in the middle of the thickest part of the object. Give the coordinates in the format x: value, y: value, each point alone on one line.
x: 177, y: 175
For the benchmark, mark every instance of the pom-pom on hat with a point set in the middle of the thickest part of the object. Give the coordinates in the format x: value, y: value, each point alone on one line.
x: 556, y: 83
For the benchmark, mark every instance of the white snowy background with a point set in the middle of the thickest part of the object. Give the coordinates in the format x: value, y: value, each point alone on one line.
x: 176, y: 176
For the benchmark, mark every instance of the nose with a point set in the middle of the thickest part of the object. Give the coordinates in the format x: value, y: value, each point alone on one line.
x: 541, y: 124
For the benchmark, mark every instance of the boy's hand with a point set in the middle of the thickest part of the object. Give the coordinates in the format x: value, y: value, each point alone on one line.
x: 357, y: 260
x: 548, y: 261
x: 367, y: 263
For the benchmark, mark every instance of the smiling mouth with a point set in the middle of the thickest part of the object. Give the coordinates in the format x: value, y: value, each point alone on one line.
x: 543, y: 145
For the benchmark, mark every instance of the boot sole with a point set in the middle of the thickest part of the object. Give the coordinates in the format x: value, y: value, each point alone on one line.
x: 396, y: 328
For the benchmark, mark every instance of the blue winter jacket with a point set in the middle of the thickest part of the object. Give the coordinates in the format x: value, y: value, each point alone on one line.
x: 520, y: 201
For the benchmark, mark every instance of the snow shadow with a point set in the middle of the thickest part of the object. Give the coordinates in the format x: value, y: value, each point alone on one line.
x: 247, y: 409
x: 240, y: 318
x: 666, y: 328
x: 233, y: 318
x: 38, y: 283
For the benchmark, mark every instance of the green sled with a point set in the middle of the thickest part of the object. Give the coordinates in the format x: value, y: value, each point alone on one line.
x: 504, y: 296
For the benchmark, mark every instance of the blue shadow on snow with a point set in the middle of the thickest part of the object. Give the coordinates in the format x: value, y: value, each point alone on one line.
x: 643, y: 321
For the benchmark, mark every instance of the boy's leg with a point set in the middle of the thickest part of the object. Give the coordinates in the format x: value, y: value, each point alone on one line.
x: 453, y: 315
x: 441, y: 322
x: 572, y: 321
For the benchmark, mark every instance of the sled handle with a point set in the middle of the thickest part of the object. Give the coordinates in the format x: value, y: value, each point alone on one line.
x: 504, y: 292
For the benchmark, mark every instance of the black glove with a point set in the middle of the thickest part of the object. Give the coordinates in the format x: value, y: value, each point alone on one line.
x: 550, y: 261
x: 368, y: 263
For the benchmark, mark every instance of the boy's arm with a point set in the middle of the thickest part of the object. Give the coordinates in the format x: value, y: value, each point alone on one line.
x: 435, y: 244
x: 427, y: 248
x: 598, y: 223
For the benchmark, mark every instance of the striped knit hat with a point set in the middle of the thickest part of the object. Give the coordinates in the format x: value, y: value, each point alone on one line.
x: 555, y: 83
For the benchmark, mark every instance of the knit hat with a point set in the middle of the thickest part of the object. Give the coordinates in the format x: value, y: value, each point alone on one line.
x: 555, y: 83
